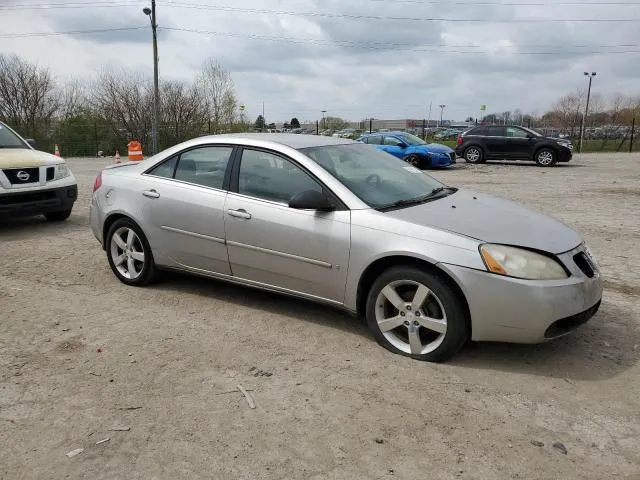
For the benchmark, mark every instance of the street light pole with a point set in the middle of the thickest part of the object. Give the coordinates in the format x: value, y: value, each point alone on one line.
x: 324, y: 122
x: 441, y: 112
x: 151, y: 12
x: 586, y: 107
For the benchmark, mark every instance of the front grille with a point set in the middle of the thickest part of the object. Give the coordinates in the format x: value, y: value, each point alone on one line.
x: 584, y: 264
x: 26, y: 197
x: 20, y: 176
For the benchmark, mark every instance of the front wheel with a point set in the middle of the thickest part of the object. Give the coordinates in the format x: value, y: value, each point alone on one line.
x: 545, y: 157
x: 58, y: 216
x: 415, y: 313
x: 413, y: 160
x: 129, y: 253
x: 473, y: 155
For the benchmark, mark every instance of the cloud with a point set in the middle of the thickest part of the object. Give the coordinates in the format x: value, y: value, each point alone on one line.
x: 353, y: 67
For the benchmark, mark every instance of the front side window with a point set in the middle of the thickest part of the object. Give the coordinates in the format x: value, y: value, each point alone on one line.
x: 270, y: 177
x: 516, y: 132
x: 392, y: 141
x: 375, y: 177
x: 204, y: 166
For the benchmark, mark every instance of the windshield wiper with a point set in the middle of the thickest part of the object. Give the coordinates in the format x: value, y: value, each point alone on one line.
x: 416, y: 200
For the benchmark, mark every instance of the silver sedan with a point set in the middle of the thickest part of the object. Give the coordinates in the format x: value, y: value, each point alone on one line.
x: 336, y: 221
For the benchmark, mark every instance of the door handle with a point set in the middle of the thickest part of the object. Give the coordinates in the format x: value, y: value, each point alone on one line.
x: 151, y: 193
x: 240, y: 213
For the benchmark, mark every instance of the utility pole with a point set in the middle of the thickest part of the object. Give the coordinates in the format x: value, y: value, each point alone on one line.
x: 586, y: 107
x: 151, y: 13
x: 429, y: 117
x: 264, y: 120
x: 633, y: 132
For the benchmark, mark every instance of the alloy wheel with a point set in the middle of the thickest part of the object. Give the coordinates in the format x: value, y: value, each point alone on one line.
x: 127, y: 253
x: 472, y: 155
x: 545, y: 157
x: 411, y: 317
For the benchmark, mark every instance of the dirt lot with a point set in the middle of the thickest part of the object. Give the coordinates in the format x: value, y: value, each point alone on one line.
x: 330, y: 403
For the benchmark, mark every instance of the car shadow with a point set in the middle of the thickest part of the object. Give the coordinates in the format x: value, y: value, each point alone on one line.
x: 600, y: 349
x: 278, y: 304
x: 21, y: 228
x: 512, y: 163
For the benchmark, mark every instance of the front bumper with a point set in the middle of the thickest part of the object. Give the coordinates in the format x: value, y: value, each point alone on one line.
x: 439, y: 160
x: 25, y: 202
x: 505, y: 309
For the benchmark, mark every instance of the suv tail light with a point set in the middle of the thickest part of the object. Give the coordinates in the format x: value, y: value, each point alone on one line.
x: 459, y: 141
x: 98, y: 182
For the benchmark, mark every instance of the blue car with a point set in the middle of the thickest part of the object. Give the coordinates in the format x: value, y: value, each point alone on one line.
x: 411, y: 149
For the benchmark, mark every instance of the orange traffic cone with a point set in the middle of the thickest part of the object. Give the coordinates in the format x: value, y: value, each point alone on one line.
x: 56, y: 151
x: 117, y: 158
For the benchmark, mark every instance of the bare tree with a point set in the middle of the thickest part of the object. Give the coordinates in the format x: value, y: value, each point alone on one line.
x: 124, y: 100
x: 219, y: 91
x: 27, y: 95
x: 72, y: 99
x: 183, y: 111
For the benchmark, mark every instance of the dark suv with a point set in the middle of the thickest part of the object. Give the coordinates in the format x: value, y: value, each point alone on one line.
x: 505, y: 142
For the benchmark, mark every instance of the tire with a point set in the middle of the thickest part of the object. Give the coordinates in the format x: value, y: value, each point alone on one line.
x: 58, y: 216
x: 396, y: 329
x: 473, y: 154
x: 130, y: 256
x: 414, y: 160
x: 546, y: 157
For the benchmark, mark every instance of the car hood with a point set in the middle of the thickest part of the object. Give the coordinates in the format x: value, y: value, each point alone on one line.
x: 25, y: 157
x: 435, y: 148
x: 493, y: 220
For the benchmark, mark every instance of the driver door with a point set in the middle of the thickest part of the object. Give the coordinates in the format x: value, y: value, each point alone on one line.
x: 301, y: 251
x: 394, y: 146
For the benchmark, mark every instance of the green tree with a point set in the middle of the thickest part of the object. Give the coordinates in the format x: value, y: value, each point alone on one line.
x: 259, y: 125
x: 295, y: 123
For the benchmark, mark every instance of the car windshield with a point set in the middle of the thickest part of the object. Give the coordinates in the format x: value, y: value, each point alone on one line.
x: 375, y: 177
x: 412, y: 139
x: 8, y: 139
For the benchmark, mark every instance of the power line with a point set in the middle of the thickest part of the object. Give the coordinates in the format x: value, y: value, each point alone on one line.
x: 393, y: 47
x: 199, y: 6
x: 49, y: 6
x: 512, y: 4
x: 69, y: 32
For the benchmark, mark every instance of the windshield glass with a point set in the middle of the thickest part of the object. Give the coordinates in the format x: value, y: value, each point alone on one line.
x: 412, y: 139
x: 375, y: 177
x: 533, y: 132
x: 8, y: 139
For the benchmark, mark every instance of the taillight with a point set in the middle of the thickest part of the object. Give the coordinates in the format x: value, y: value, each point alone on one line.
x: 459, y: 141
x: 98, y: 182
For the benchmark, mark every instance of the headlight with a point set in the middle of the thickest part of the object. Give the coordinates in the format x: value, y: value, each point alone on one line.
x: 61, y: 171
x: 521, y: 263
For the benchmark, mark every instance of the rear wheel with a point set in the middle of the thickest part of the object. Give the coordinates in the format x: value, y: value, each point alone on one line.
x: 58, y: 216
x: 415, y: 313
x: 129, y: 253
x: 473, y: 155
x: 545, y: 157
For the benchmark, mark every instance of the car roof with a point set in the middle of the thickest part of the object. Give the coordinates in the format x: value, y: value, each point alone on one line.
x: 292, y: 140
x: 395, y: 132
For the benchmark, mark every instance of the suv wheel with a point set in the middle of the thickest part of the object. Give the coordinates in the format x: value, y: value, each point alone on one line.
x: 414, y: 313
x: 413, y: 160
x: 473, y: 155
x: 545, y: 157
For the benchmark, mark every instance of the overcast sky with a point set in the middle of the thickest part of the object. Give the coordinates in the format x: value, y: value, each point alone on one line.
x: 326, y: 58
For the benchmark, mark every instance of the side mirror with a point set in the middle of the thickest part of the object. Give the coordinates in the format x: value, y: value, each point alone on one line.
x: 311, y: 200
x: 402, y: 145
x: 530, y: 136
x: 31, y: 142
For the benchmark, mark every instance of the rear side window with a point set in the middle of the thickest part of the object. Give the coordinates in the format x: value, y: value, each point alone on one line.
x: 496, y: 131
x: 478, y: 131
x: 204, y: 166
x: 165, y: 169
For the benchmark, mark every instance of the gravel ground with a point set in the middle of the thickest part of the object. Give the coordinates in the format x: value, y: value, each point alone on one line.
x: 330, y: 403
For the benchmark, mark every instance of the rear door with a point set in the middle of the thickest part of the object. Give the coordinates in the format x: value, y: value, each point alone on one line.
x: 184, y: 207
x: 495, y: 142
x: 269, y: 243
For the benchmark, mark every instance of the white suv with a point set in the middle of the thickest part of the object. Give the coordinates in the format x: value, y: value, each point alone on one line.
x: 33, y: 182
